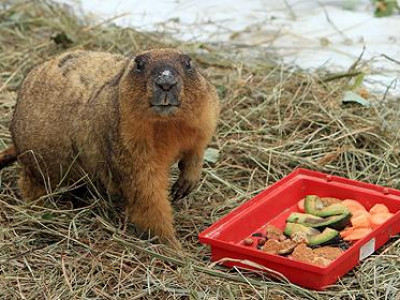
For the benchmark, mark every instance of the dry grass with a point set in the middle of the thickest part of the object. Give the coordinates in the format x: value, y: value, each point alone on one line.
x: 274, y: 119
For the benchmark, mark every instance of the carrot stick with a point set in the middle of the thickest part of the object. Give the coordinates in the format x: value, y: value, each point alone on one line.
x: 361, y: 212
x: 353, y: 205
x: 380, y: 218
x: 345, y: 232
x: 378, y: 208
x: 358, y: 233
x: 360, y: 221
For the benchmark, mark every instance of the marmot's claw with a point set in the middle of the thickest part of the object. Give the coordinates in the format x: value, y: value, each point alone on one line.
x: 182, y: 188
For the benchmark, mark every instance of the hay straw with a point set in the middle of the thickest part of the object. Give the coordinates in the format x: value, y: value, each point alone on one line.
x: 274, y: 119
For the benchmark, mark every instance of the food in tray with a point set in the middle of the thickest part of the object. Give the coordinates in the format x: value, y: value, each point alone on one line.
x: 363, y: 222
x: 321, y: 256
x: 276, y: 247
x: 321, y: 229
x: 315, y: 206
x: 274, y: 233
x: 353, y: 205
x: 355, y: 221
x: 313, y: 236
x: 338, y: 222
x: 355, y: 234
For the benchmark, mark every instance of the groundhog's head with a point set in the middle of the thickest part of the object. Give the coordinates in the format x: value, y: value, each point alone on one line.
x: 164, y: 83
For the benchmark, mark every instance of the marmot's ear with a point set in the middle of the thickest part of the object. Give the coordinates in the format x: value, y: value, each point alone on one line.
x: 131, y: 61
x: 131, y: 56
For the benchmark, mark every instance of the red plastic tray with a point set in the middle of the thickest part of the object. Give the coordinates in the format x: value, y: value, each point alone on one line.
x: 273, y: 205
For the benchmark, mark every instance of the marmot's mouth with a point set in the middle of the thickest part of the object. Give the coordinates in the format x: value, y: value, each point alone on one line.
x: 165, y: 103
x: 165, y: 110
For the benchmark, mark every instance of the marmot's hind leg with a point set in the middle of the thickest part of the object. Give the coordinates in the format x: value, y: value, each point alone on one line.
x: 30, y: 188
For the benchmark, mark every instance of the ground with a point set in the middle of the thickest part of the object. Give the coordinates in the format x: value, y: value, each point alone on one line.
x: 274, y: 118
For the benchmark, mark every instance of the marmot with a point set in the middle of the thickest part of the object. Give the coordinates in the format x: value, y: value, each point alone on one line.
x: 123, y: 121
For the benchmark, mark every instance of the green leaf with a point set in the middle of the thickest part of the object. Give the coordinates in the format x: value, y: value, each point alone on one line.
x: 358, y: 80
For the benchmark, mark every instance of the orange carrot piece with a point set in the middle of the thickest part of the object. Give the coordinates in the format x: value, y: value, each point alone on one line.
x: 353, y: 205
x: 345, y: 232
x: 352, y: 202
x: 361, y: 212
x: 300, y: 205
x: 360, y: 221
x: 379, y: 219
x: 378, y: 209
x: 358, y: 233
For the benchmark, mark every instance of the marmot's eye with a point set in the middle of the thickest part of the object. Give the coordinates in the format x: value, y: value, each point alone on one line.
x: 139, y: 64
x: 188, y: 64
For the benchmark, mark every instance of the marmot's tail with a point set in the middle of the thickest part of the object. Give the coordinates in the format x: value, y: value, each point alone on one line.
x: 7, y: 157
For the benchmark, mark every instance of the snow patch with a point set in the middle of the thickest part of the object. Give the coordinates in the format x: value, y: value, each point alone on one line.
x: 311, y: 34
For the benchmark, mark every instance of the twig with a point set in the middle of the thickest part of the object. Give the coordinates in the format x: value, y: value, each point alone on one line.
x: 340, y: 76
x: 391, y: 59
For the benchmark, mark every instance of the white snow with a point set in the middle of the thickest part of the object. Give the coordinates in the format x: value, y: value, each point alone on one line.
x: 311, y: 34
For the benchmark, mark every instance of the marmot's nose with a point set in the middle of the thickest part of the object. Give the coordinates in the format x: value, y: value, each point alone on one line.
x: 166, y: 81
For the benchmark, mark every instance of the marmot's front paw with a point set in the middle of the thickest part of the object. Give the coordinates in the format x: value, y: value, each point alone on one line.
x: 182, y: 188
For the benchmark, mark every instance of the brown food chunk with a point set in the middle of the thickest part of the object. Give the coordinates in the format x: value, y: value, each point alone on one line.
x: 282, y: 238
x: 300, y: 237
x: 321, y: 256
x: 272, y: 246
x: 328, y: 252
x: 321, y: 261
x: 273, y: 229
x: 248, y: 242
x: 303, y: 253
x: 274, y: 233
x: 287, y: 246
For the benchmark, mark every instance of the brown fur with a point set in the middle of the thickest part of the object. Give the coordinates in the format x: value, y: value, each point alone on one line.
x: 7, y: 157
x: 89, y: 111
